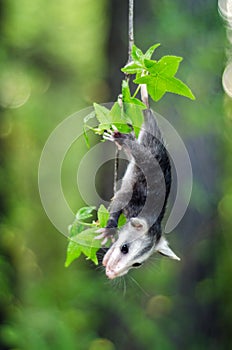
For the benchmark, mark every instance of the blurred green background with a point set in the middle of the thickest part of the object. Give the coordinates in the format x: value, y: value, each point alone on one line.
x: 56, y: 58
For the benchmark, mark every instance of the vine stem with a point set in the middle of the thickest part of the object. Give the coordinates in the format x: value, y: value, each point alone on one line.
x: 144, y: 95
x: 116, y: 161
x: 137, y: 90
x: 143, y: 87
x: 130, y: 45
x: 130, y: 29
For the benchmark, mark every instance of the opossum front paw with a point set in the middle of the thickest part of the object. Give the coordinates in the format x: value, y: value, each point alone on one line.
x: 109, y: 135
x: 117, y: 137
x: 105, y: 234
x: 113, y: 136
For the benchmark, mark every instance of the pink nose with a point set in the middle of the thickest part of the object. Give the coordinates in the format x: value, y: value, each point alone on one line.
x: 110, y: 274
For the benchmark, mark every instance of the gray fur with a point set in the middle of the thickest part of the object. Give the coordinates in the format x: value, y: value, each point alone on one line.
x: 142, y: 198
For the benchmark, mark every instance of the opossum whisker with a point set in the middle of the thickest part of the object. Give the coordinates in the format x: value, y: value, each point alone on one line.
x: 139, y: 286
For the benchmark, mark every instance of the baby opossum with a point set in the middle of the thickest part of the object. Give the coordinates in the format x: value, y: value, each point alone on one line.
x: 142, y: 198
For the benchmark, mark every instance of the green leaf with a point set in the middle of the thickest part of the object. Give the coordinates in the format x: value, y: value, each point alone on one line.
x: 87, y: 238
x: 84, y: 213
x: 124, y: 128
x: 82, y: 240
x: 138, y: 103
x: 132, y: 108
x: 143, y: 80
x: 121, y: 220
x: 166, y: 66
x: 149, y: 63
x: 101, y: 128
x: 102, y: 114
x: 119, y: 119
x: 137, y: 55
x: 86, y: 127
x: 126, y: 94
x: 103, y: 215
x: 157, y: 88
x: 86, y: 137
x: 134, y: 112
x: 79, y: 225
x: 75, y: 228
x: 73, y: 252
x: 85, y: 243
x: 132, y: 68
x: 116, y: 113
x: 158, y: 85
x: 90, y: 253
x: 150, y: 51
x: 177, y: 86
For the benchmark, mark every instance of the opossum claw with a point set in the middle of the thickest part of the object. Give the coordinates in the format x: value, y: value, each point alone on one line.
x: 105, y: 235
x: 110, y: 136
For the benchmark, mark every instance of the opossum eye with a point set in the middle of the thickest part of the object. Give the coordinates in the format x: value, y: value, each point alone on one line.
x: 136, y: 264
x: 124, y: 249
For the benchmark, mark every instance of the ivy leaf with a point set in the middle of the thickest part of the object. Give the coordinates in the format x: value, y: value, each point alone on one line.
x: 103, y: 115
x: 157, y: 88
x: 137, y: 54
x: 73, y: 252
x: 121, y: 220
x: 132, y: 108
x: 86, y: 136
x: 132, y: 68
x: 86, y: 127
x: 134, y: 112
x: 84, y: 213
x: 177, y: 86
x: 87, y: 238
x: 126, y: 95
x: 101, y: 128
x: 166, y: 66
x: 150, y: 51
x: 79, y: 223
x: 119, y: 119
x: 103, y: 215
x: 85, y: 243
x: 158, y: 85
x: 82, y: 240
x: 75, y: 228
x: 116, y: 113
x: 149, y: 63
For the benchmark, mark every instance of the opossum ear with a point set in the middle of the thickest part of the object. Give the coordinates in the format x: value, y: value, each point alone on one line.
x: 163, y: 248
x: 139, y: 224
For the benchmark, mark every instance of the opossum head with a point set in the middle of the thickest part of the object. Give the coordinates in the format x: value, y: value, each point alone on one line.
x: 132, y: 248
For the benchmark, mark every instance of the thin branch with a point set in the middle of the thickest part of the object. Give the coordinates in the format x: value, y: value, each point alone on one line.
x: 130, y: 44
x: 130, y: 29
x: 116, y: 161
x: 144, y: 95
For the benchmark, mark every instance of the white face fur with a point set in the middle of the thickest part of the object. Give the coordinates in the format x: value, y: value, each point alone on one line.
x: 132, y: 248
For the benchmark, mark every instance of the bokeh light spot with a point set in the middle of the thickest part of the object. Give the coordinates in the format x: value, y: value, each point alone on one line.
x: 158, y: 306
x: 102, y: 344
x: 227, y: 80
x: 14, y: 89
